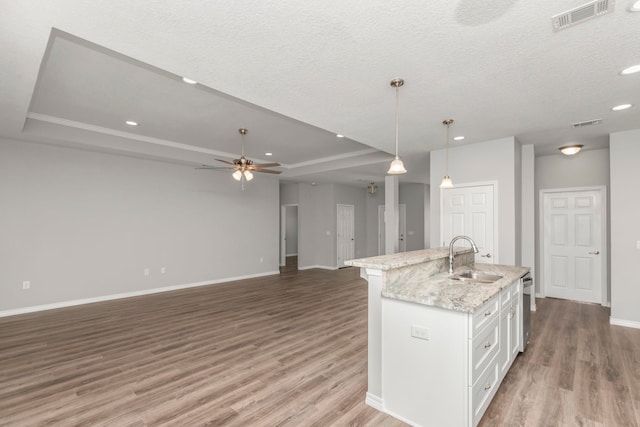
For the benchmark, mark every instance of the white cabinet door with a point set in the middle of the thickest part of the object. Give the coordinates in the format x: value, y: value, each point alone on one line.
x: 515, y: 328
x: 572, y: 243
x: 470, y: 211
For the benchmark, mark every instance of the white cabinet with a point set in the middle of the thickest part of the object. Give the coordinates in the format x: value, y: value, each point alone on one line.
x: 443, y: 367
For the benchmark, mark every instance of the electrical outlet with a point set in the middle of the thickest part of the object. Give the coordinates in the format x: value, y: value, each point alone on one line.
x: 163, y: 270
x: 146, y: 272
x: 419, y: 332
x: 261, y: 259
x: 26, y: 284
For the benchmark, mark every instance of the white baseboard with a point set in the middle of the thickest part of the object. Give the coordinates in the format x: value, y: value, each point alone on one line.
x: 623, y: 322
x: 296, y: 254
x: 374, y: 401
x: 324, y: 267
x: 71, y: 303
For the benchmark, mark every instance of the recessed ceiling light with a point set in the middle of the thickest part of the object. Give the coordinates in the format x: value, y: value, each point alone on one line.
x: 631, y: 70
x: 189, y: 81
x: 458, y: 138
x: 339, y: 136
x: 621, y: 107
x: 131, y: 123
x: 635, y: 6
x: 268, y: 154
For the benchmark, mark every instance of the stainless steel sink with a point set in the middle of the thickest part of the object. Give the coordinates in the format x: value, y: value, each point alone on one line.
x: 477, y: 276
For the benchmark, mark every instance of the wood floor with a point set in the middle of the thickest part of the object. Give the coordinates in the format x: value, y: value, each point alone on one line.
x: 288, y: 350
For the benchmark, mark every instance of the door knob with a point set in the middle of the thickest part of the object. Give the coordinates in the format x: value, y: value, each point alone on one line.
x: 487, y: 255
x: 595, y: 253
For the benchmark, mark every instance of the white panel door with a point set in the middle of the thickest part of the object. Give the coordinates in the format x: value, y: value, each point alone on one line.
x: 572, y: 245
x: 345, y: 233
x: 402, y: 224
x: 470, y: 211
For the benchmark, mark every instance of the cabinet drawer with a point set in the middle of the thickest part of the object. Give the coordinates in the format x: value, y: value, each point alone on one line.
x: 484, y: 315
x: 482, y: 392
x: 484, y: 349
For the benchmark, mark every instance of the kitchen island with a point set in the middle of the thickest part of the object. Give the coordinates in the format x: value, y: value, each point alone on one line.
x: 439, y: 346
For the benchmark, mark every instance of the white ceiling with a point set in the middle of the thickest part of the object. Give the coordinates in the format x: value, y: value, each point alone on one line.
x: 295, y: 73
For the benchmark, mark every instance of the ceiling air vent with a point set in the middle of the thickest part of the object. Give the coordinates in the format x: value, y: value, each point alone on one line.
x: 587, y: 123
x: 582, y: 13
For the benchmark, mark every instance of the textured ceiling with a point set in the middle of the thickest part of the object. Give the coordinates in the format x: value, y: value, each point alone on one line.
x: 297, y: 72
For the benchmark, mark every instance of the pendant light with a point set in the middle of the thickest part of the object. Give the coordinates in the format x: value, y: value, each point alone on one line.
x: 397, y: 167
x: 446, y: 180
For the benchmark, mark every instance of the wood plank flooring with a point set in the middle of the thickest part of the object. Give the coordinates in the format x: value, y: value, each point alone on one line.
x: 287, y: 350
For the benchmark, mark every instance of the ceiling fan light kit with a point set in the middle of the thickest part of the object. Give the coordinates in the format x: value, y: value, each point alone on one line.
x: 446, y: 180
x: 397, y: 167
x: 243, y: 168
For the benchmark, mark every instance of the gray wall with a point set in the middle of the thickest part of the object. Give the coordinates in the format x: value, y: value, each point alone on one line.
x: 586, y: 169
x: 625, y: 226
x: 316, y: 217
x: 83, y: 225
x: 481, y: 162
x: 288, y: 194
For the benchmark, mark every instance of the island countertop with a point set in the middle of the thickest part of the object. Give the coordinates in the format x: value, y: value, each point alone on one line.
x: 405, y: 259
x: 440, y: 290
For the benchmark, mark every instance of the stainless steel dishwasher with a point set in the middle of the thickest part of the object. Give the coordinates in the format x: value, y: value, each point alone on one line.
x: 527, y: 288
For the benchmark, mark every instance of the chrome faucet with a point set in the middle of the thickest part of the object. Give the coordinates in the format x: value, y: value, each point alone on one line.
x: 473, y: 246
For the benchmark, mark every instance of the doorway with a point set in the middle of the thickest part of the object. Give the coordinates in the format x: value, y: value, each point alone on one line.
x: 402, y: 224
x: 289, y: 236
x: 345, y: 234
x: 573, y: 234
x: 470, y: 210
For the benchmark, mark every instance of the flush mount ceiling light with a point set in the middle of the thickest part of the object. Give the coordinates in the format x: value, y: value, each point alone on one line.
x: 570, y: 150
x: 131, y: 123
x: 621, y: 107
x: 397, y: 167
x: 189, y: 81
x: 446, y: 180
x: 630, y: 70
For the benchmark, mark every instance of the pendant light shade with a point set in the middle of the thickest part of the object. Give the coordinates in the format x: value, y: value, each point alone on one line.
x: 446, y: 180
x: 397, y: 167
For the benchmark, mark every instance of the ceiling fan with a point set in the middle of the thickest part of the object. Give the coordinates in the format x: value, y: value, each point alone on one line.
x: 243, y: 168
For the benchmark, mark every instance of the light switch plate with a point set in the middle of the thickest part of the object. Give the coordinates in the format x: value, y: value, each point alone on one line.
x: 419, y: 332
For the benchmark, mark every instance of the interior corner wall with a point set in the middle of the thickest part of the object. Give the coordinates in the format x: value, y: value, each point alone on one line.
x: 373, y: 201
x: 625, y: 228
x: 589, y: 168
x: 82, y: 225
x: 474, y: 163
x: 528, y: 223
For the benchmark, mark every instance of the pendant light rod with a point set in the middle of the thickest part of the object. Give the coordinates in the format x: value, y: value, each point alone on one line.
x: 397, y: 83
x: 397, y: 167
x: 243, y: 132
x: 446, y: 180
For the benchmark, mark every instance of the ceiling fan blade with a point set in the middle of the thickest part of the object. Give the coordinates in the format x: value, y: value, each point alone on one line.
x: 224, y: 161
x: 267, y: 165
x: 267, y: 171
x: 216, y: 168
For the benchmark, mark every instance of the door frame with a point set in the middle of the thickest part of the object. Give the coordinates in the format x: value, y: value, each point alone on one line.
x: 283, y: 233
x: 353, y: 230
x: 496, y: 222
x: 383, y: 220
x: 604, y: 301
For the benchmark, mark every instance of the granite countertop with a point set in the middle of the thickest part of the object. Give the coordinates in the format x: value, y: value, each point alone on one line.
x: 404, y: 259
x: 441, y: 291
